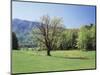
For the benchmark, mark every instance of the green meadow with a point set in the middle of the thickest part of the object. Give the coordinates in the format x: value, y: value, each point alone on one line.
x: 37, y: 61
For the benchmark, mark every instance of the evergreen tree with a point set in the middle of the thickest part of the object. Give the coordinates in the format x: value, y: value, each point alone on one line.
x: 14, y: 42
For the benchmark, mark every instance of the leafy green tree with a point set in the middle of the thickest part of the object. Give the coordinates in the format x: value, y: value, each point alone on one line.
x: 49, y: 29
x: 86, y: 37
x: 68, y: 39
x: 93, y: 37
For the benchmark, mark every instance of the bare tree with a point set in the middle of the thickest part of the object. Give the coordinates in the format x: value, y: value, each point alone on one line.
x: 49, y: 29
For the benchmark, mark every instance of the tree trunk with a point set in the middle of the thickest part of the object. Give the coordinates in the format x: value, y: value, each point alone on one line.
x: 49, y: 48
x: 48, y: 53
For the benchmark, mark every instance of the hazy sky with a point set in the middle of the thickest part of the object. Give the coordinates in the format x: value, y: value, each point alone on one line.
x: 73, y: 15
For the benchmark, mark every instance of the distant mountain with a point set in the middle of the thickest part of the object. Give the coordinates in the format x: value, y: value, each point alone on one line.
x: 23, y: 25
x: 22, y: 29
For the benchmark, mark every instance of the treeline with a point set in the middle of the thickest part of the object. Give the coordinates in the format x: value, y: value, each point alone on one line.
x: 83, y: 38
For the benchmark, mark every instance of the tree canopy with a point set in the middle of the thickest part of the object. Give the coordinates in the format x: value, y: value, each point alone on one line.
x: 49, y: 29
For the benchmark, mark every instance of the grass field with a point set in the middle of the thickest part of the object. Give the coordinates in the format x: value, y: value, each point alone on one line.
x: 37, y: 61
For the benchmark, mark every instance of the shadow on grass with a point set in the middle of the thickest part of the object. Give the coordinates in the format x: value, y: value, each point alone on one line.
x: 67, y: 57
x: 81, y: 58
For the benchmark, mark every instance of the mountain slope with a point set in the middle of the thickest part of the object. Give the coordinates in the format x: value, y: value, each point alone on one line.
x: 22, y: 29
